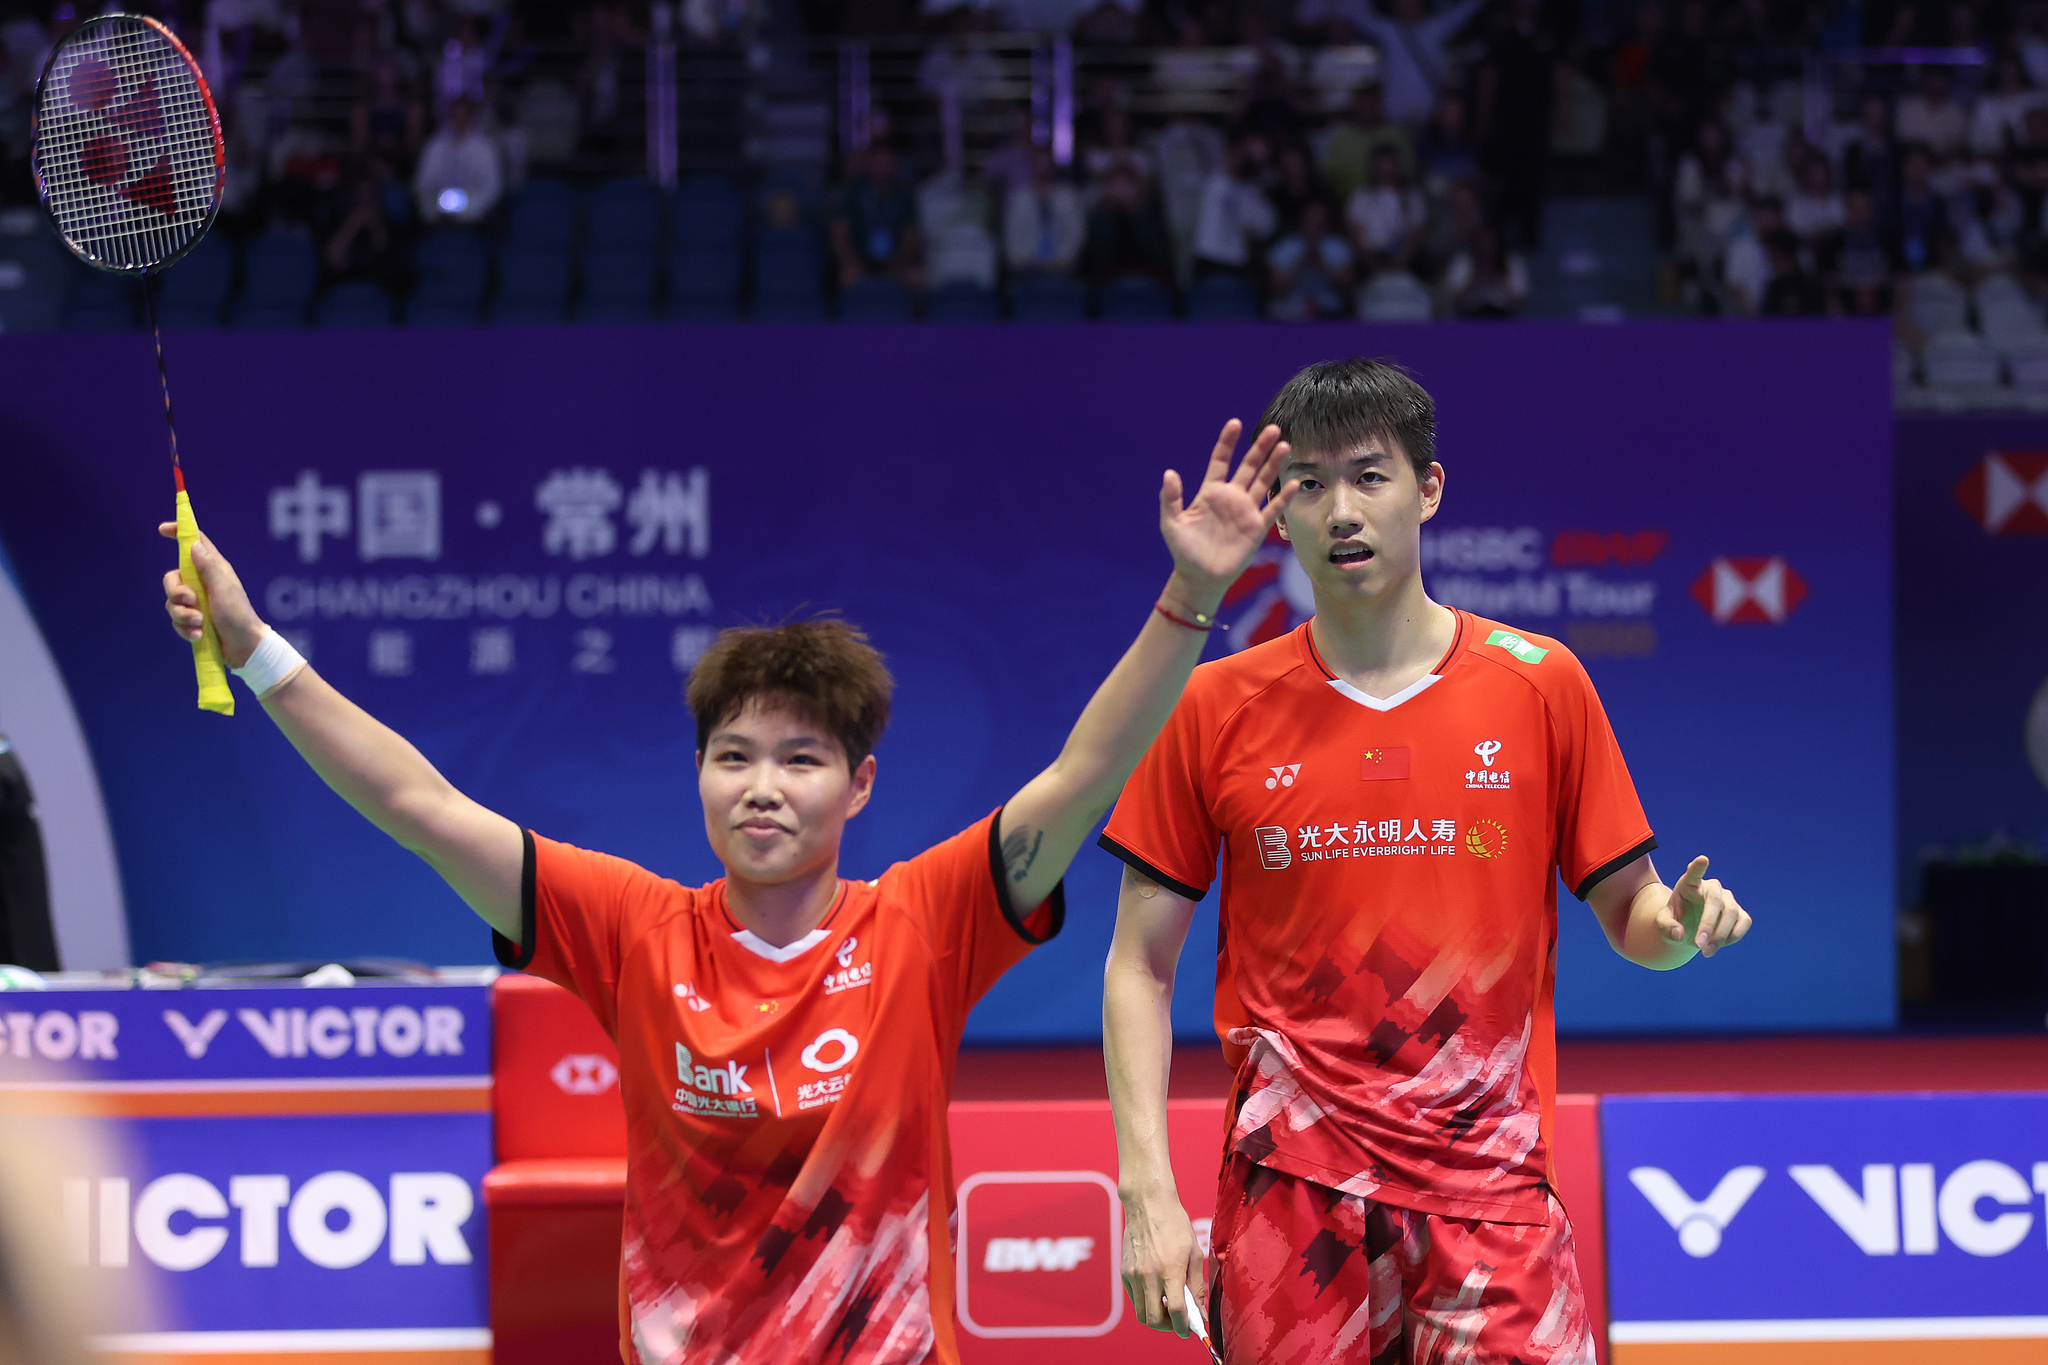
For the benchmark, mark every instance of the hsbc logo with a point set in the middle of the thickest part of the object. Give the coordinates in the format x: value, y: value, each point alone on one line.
x: 1749, y: 591
x: 2006, y: 492
x: 584, y: 1073
x: 1984, y: 1208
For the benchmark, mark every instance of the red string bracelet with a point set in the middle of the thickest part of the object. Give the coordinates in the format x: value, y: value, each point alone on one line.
x: 1203, y: 621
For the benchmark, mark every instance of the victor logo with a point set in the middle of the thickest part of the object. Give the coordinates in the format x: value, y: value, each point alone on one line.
x: 1699, y: 1223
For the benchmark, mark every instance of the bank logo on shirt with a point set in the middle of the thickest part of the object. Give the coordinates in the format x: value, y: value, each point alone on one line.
x: 1486, y: 839
x: 716, y: 1090
x: 1275, y: 853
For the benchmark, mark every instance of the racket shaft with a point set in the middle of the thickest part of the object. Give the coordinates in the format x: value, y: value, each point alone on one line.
x: 206, y: 661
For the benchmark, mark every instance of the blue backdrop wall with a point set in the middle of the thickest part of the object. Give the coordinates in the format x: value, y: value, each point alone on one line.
x: 510, y: 544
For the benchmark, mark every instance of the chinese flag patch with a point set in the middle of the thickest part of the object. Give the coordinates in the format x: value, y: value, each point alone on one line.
x: 1387, y: 763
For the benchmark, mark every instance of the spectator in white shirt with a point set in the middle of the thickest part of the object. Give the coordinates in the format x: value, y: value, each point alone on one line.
x: 1815, y: 210
x: 1236, y: 217
x: 2000, y: 118
x: 1386, y: 216
x: 1931, y: 116
x: 459, y: 179
x: 1414, y: 48
x: 1044, y: 224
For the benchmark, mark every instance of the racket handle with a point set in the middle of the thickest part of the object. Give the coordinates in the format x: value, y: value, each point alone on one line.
x: 206, y: 661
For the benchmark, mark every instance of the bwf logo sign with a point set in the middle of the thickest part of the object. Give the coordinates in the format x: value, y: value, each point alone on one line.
x: 1984, y: 1208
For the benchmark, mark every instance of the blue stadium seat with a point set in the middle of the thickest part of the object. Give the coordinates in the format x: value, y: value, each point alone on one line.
x: 1222, y: 298
x: 874, y: 299
x: 357, y: 303
x: 625, y: 215
x: 533, y: 286
x: 195, y: 289
x: 1037, y: 297
x: 279, y: 270
x: 788, y: 275
x: 99, y: 302
x: 705, y: 214
x: 963, y: 301
x: 452, y: 268
x: 1134, y: 298
x: 618, y: 286
x: 545, y: 212
x: 704, y: 284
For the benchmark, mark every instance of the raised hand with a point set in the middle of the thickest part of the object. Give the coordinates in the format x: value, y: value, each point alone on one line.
x: 1214, y: 536
x: 234, y: 618
x: 1704, y: 910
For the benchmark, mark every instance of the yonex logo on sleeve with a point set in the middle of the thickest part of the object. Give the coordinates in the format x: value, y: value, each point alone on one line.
x: 1517, y: 646
x: 1274, y: 852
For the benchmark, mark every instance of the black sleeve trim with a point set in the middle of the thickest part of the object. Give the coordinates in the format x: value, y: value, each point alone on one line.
x: 1612, y: 866
x: 518, y: 956
x: 1056, y: 902
x: 1179, y: 888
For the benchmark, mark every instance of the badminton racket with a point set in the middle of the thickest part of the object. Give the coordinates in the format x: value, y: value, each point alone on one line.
x: 129, y: 162
x: 1199, y: 1320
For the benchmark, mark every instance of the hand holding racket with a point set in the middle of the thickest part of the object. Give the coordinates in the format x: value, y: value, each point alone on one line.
x: 129, y: 162
x: 204, y: 596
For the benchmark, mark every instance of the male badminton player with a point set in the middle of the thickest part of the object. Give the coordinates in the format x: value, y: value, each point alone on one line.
x: 786, y: 1037
x: 1393, y: 788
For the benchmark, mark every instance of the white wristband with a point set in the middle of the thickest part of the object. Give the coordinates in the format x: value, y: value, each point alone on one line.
x: 273, y: 661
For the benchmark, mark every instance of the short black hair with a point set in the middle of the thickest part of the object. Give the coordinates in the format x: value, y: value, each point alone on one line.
x: 823, y: 668
x: 1336, y: 404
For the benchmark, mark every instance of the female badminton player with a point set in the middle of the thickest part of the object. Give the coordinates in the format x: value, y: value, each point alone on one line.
x: 786, y: 1037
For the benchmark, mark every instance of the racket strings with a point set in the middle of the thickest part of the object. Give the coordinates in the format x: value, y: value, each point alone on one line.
x: 127, y: 148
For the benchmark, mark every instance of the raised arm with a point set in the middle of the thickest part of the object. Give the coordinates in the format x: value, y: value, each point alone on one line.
x: 1212, y: 539
x: 371, y: 766
x: 1159, y: 1252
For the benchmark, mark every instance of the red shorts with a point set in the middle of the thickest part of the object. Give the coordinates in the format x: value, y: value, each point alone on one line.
x: 1300, y: 1274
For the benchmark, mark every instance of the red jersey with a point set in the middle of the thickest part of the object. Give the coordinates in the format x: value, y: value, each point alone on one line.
x: 788, y: 1182
x: 1388, y: 932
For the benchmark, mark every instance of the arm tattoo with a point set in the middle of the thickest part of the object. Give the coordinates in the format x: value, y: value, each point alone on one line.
x: 1020, y: 850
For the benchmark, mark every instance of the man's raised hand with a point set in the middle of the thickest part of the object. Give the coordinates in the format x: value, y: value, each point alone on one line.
x: 1214, y: 536
x: 1702, y: 909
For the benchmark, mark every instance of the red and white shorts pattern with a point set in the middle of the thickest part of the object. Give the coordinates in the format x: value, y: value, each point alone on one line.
x: 1301, y: 1274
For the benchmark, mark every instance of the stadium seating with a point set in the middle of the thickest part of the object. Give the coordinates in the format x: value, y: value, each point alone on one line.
x: 533, y: 285
x: 194, y: 291
x: 545, y: 214
x: 1036, y: 297
x: 1134, y: 298
x: 962, y: 301
x: 99, y: 302
x: 874, y: 299
x: 556, y: 1199
x: 704, y: 284
x: 705, y: 214
x: 279, y: 271
x: 1935, y: 303
x: 357, y: 303
x: 788, y: 275
x: 625, y: 216
x: 1962, y: 368
x: 1222, y: 298
x: 618, y: 286
x: 1395, y: 296
x: 453, y: 269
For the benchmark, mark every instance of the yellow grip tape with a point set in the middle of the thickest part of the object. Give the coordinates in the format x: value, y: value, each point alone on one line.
x: 206, y: 661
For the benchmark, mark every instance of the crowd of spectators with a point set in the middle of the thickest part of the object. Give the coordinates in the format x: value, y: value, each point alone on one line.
x: 1414, y: 189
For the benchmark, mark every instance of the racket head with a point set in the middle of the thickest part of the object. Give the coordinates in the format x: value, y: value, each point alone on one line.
x: 127, y: 147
